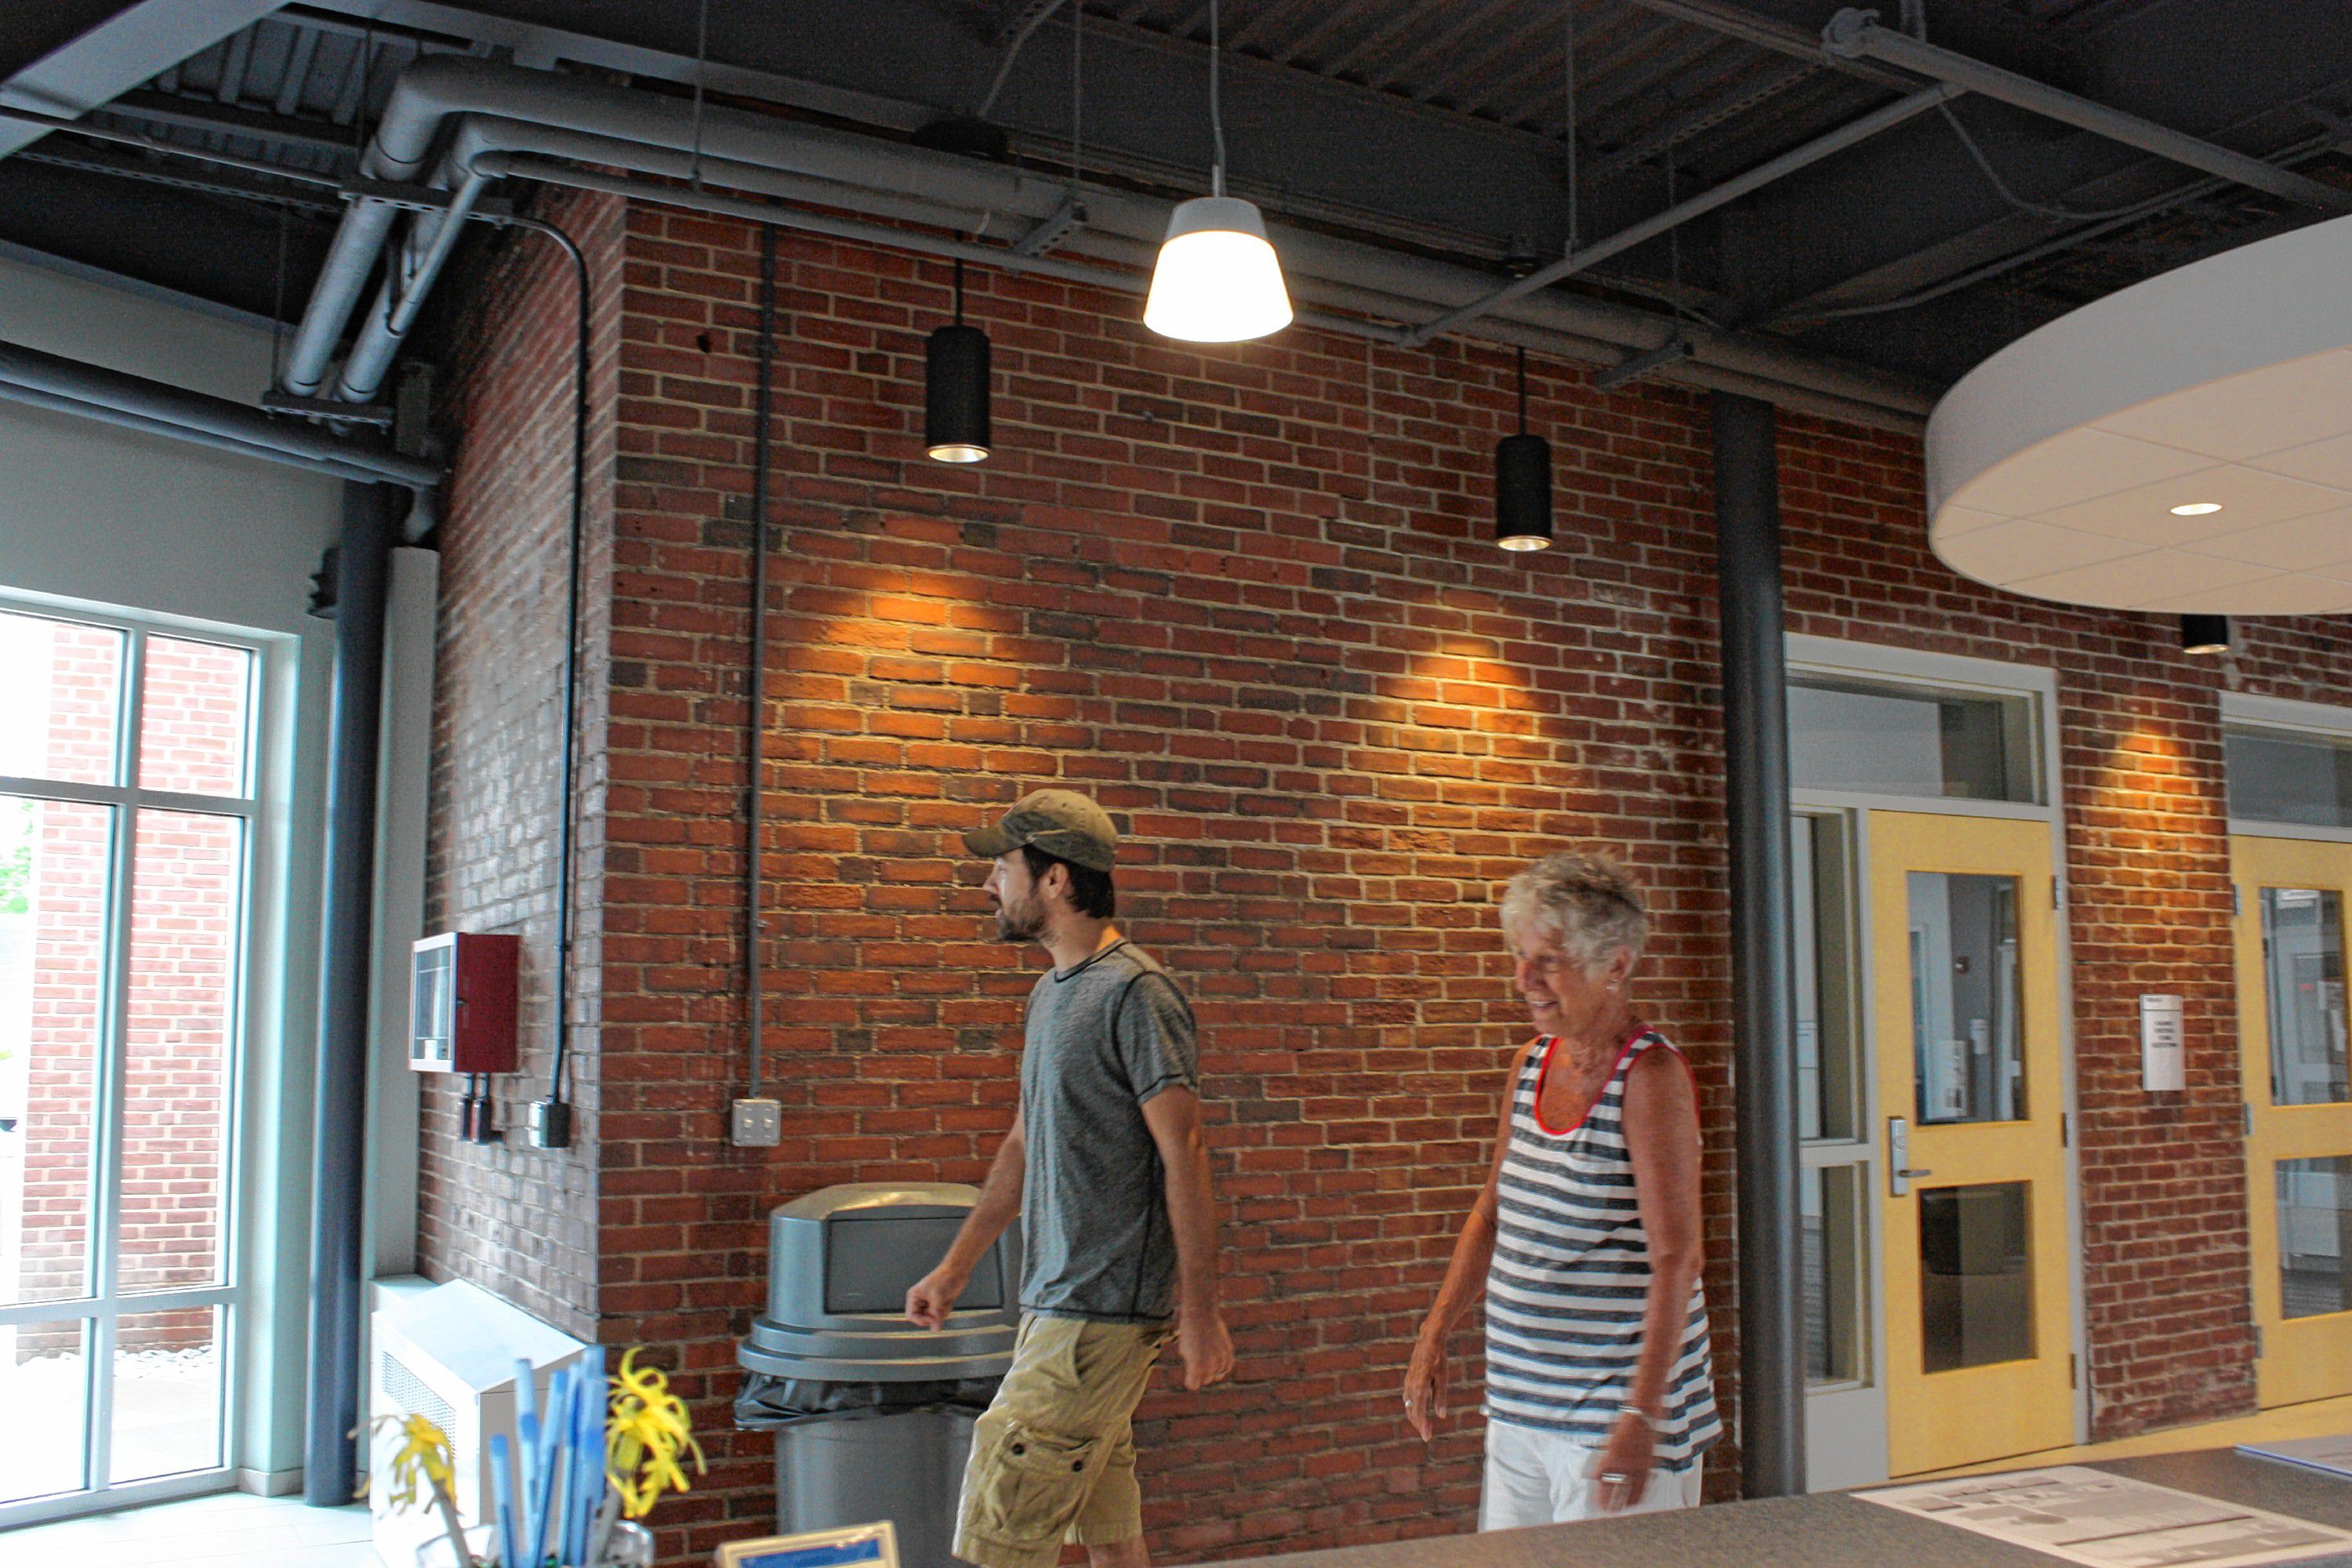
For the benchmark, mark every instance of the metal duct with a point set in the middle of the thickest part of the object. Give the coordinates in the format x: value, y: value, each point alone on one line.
x: 536, y: 112
x: 29, y: 376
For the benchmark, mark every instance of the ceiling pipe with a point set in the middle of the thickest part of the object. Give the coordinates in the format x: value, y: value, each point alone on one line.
x: 506, y: 108
x: 50, y: 380
x: 1707, y: 200
x: 1855, y: 34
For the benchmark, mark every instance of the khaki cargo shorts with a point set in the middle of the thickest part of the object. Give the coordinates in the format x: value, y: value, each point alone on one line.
x: 1053, y: 1459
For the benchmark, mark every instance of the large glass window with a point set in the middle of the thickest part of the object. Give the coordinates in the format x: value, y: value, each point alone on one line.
x: 1829, y: 1086
x: 1891, y: 738
x: 127, y: 813
x: 2290, y: 778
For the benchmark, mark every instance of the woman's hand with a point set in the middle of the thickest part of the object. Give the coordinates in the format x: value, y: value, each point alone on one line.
x: 1425, y: 1383
x: 1621, y: 1474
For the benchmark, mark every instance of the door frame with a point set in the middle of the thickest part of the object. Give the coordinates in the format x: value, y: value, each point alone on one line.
x: 253, y: 1031
x: 1863, y: 1407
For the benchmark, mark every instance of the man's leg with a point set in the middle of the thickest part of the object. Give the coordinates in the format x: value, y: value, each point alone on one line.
x: 1127, y: 1553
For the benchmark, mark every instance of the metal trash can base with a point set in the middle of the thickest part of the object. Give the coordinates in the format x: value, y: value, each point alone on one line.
x: 906, y: 1468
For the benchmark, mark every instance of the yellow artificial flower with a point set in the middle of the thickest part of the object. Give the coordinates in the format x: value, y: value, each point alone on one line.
x: 423, y: 1452
x: 648, y: 1432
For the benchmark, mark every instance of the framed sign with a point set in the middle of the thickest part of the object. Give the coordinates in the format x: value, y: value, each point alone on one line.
x: 859, y: 1546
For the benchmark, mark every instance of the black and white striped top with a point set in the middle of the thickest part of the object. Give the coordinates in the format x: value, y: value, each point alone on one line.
x: 1571, y: 1269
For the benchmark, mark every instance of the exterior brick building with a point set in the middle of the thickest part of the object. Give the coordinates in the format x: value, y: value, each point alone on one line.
x: 1246, y: 597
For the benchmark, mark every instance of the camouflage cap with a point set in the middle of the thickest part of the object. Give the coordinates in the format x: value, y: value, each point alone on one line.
x: 1062, y: 823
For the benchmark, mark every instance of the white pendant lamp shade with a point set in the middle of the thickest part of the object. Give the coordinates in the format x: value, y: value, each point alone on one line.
x: 1218, y: 280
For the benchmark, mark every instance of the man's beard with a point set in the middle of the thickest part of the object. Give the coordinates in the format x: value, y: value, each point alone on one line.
x: 1019, y: 925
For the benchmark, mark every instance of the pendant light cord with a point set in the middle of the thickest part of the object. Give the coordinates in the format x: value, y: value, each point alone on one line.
x: 701, y: 61
x: 1568, y: 46
x: 1216, y: 108
x: 1077, y: 94
x: 1523, y: 390
x: 959, y: 290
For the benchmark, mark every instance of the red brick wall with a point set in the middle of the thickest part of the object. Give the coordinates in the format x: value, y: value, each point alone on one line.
x: 517, y: 1221
x: 1246, y: 597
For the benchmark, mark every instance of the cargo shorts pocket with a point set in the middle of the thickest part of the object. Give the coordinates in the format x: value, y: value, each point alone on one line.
x: 1032, y: 1486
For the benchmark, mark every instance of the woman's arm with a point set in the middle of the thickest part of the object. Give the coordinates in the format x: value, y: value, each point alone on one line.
x: 1425, y: 1375
x: 1660, y: 1119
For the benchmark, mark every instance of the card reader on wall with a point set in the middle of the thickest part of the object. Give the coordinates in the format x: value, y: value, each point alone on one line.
x: 461, y: 1002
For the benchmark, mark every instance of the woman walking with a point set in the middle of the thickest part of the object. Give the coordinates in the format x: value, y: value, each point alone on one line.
x: 1600, y: 1390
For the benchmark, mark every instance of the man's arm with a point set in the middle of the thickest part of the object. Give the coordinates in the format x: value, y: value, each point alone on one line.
x: 1173, y: 1115
x: 931, y: 1299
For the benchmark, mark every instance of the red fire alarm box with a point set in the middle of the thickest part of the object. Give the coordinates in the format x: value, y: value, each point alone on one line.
x: 461, y: 1002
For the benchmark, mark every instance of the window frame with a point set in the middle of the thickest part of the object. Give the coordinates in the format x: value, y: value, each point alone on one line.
x: 2295, y: 721
x: 261, y: 811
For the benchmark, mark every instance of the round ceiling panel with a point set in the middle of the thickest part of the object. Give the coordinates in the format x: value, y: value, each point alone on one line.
x: 2183, y: 446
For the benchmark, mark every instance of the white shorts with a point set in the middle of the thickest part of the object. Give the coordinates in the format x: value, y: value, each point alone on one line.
x: 1535, y: 1477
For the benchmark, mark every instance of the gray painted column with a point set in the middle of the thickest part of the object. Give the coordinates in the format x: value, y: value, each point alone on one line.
x: 1764, y: 1026
x: 338, y: 1170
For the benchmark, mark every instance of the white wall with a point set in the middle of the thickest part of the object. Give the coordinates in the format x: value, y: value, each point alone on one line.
x: 98, y: 516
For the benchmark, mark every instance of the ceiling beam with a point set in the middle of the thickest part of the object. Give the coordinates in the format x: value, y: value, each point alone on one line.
x: 136, y: 44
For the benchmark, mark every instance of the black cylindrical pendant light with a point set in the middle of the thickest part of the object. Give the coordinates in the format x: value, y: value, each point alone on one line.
x: 2204, y: 633
x: 1523, y: 482
x: 955, y: 389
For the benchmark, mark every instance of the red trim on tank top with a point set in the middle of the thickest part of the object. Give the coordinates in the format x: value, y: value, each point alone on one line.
x: 1534, y: 1107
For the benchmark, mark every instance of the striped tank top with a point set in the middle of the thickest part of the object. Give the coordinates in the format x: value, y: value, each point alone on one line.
x: 1571, y: 1269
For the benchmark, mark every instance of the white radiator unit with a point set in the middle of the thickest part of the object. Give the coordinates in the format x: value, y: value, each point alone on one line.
x: 449, y: 1354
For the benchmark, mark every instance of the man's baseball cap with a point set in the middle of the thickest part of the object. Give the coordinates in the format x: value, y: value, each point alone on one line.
x: 1061, y: 822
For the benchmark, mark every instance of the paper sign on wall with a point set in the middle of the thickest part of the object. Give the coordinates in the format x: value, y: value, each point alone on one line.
x: 2162, y: 1063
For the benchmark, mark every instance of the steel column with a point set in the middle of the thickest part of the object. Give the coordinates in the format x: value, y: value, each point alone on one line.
x: 1763, y: 1009
x: 339, y: 1147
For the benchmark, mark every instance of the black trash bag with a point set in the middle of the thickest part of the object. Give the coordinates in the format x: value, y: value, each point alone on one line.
x: 769, y: 1402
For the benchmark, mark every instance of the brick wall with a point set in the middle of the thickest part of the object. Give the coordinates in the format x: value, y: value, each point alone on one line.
x: 515, y: 1221
x: 1246, y: 597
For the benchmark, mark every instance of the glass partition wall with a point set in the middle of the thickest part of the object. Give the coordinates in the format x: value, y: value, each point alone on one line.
x: 127, y: 810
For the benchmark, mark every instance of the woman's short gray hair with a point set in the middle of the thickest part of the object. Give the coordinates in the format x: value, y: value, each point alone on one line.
x: 1588, y: 905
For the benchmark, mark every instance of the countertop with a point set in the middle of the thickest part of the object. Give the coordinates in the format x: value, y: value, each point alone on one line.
x: 1835, y: 1529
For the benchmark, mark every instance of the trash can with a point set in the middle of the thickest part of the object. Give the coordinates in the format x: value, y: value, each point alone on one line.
x: 872, y: 1416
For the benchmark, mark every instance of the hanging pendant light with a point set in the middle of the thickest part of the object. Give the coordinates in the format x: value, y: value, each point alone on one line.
x: 2204, y: 633
x: 1217, y: 279
x: 955, y: 389
x: 1523, y: 482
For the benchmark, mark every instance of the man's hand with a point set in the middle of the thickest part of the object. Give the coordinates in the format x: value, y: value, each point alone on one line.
x: 1621, y: 1474
x: 1424, y: 1384
x: 931, y: 1299
x: 1206, y: 1347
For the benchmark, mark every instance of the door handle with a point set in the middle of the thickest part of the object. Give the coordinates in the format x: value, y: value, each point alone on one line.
x: 1900, y: 1174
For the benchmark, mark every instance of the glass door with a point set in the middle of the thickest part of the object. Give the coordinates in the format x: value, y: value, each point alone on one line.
x: 2291, y: 1026
x: 1972, y: 1191
x: 126, y: 815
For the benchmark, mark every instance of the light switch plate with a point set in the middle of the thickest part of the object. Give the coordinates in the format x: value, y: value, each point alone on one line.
x: 757, y: 1125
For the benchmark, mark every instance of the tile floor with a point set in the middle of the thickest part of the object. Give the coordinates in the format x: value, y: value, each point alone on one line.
x: 227, y: 1529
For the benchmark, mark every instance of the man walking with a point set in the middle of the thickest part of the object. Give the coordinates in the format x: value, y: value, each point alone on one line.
x: 1107, y: 1168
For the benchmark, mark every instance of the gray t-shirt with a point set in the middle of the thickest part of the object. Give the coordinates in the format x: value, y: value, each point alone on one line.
x: 1099, y: 1040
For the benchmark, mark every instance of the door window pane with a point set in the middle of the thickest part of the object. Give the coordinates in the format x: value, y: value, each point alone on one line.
x: 1976, y: 1280
x: 2302, y: 961
x: 55, y: 865
x: 45, y: 1386
x: 61, y: 703
x: 2314, y: 1225
x: 195, y: 716
x: 1829, y: 1204
x: 1905, y: 739
x: 2304, y: 781
x: 1827, y: 1041
x: 187, y: 880
x: 1966, y: 1000
x: 167, y: 1394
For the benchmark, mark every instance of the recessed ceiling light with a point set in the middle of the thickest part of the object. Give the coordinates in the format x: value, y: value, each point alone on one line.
x: 2197, y: 509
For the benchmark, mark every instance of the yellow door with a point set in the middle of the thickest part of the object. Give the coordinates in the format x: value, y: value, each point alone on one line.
x: 2291, y: 898
x: 1971, y: 1098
